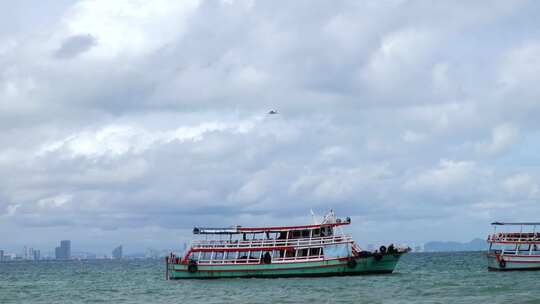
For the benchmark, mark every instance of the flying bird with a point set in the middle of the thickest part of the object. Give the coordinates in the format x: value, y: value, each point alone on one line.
x: 272, y: 112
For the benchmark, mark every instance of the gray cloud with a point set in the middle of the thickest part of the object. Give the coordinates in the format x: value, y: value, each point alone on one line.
x: 75, y: 45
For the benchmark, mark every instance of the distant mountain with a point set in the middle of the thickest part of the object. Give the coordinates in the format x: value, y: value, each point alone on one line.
x: 474, y: 245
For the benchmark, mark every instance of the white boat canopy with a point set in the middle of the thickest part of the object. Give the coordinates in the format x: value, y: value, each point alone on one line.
x: 515, y: 224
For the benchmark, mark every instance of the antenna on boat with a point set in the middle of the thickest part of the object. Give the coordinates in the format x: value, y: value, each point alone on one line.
x: 329, y: 218
x: 313, y: 217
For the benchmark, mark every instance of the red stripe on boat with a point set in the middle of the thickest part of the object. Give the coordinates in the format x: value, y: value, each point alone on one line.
x: 246, y: 249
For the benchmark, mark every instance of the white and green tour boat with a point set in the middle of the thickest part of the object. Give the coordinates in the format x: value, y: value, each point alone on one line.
x: 290, y: 251
x: 514, y: 249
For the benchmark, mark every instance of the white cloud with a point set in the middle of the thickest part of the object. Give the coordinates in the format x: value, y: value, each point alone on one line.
x: 12, y: 209
x: 117, y: 140
x: 405, y: 49
x: 449, y: 174
x: 502, y: 138
x: 337, y: 184
x: 413, y: 137
x: 55, y: 201
x: 522, y: 185
x: 521, y: 66
x: 129, y: 27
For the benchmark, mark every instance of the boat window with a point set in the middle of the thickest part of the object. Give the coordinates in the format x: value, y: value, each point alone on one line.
x: 327, y: 231
x: 317, y: 232
x: 305, y: 233
x: 302, y: 252
x: 314, y: 251
x: 290, y: 253
x: 296, y: 234
x: 499, y: 247
x: 218, y: 255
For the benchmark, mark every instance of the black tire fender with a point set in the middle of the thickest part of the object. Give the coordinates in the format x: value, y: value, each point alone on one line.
x: 502, y: 263
x: 351, y: 263
x: 382, y: 249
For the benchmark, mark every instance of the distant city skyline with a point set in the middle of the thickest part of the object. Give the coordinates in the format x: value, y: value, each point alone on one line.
x: 66, y: 252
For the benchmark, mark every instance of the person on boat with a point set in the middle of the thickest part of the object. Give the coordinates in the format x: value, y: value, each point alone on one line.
x: 267, y: 258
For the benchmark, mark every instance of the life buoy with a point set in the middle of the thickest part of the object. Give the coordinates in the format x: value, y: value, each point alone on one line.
x: 502, y: 263
x: 382, y: 249
x: 192, y: 266
x: 351, y: 263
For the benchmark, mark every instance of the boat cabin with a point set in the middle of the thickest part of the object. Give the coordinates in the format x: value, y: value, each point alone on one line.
x: 517, y: 239
x: 247, y: 245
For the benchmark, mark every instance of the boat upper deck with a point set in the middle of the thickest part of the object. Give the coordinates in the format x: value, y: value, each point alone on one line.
x: 515, y: 238
x: 223, y: 245
x: 526, y: 235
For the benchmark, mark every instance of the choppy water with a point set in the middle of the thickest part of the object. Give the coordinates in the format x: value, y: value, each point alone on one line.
x: 419, y: 278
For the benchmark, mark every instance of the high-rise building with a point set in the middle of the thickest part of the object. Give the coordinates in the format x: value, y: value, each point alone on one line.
x: 117, y: 252
x: 64, y: 251
x: 37, y: 254
x: 66, y: 245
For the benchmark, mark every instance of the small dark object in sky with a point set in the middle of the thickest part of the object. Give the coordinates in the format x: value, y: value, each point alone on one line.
x: 273, y: 112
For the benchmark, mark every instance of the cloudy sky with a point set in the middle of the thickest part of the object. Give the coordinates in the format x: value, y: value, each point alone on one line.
x: 128, y: 122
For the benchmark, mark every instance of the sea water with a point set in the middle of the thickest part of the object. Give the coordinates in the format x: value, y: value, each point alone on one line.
x: 419, y: 278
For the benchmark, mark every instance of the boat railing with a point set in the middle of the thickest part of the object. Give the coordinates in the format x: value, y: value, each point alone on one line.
x: 514, y: 238
x: 260, y: 243
x: 252, y: 260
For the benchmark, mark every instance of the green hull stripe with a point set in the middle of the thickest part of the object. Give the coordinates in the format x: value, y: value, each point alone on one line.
x: 305, y: 269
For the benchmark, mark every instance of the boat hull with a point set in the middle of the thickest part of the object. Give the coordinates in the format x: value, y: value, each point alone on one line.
x: 511, y: 262
x: 336, y: 267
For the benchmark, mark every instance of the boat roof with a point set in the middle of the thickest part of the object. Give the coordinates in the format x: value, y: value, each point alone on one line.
x: 515, y: 223
x: 240, y: 229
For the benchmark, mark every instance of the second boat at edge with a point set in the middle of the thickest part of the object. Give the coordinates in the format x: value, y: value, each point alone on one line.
x: 514, y: 249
